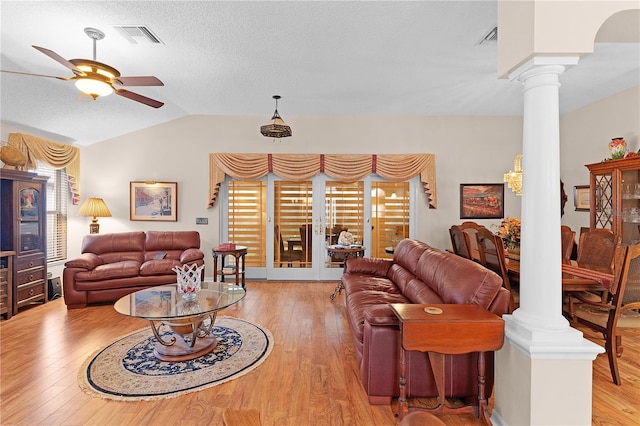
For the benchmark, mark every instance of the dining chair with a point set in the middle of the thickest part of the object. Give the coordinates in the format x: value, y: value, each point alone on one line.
x: 306, y: 235
x: 568, y: 237
x: 471, y: 229
x: 620, y: 311
x: 459, y: 241
x: 491, y: 252
x: 286, y: 255
x: 597, y: 247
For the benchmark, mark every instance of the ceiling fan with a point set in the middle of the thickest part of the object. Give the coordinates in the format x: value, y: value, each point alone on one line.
x: 97, y: 79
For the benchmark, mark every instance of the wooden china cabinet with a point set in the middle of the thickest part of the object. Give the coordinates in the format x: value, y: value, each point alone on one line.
x: 615, y: 197
x: 23, y: 228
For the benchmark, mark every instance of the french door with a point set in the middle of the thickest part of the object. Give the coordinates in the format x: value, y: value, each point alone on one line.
x: 288, y: 225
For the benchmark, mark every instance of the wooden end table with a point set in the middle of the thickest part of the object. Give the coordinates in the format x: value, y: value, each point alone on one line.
x: 447, y: 330
x: 238, y: 253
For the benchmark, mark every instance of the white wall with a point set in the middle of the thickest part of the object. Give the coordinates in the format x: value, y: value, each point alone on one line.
x: 584, y: 138
x: 467, y: 149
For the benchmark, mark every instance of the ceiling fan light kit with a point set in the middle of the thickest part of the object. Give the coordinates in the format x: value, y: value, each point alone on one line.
x: 277, y: 129
x: 97, y: 79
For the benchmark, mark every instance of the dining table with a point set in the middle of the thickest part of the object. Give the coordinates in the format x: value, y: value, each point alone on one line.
x: 576, y: 277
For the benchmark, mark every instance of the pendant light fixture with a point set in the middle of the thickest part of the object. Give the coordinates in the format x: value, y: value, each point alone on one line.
x: 277, y: 129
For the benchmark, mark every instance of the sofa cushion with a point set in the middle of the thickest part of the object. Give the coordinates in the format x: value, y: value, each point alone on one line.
x: 407, y: 254
x: 191, y: 255
x: 159, y: 267
x: 112, y: 243
x: 458, y: 280
x: 124, y: 269
x: 358, y: 303
x: 171, y: 240
x: 353, y: 282
x: 418, y: 292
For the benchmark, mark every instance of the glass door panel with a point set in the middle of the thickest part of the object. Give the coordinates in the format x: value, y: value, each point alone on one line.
x: 292, y: 216
x: 390, y: 216
x: 247, y: 219
x: 344, y: 211
x: 630, y: 232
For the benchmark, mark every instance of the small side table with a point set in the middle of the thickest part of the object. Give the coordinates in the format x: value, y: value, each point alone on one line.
x: 341, y: 254
x: 447, y: 329
x: 238, y: 253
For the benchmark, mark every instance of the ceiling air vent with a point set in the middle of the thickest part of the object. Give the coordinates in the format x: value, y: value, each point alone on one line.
x: 138, y: 34
x: 490, y: 37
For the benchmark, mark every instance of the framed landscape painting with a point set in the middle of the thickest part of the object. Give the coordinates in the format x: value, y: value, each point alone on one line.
x: 481, y: 200
x: 154, y: 201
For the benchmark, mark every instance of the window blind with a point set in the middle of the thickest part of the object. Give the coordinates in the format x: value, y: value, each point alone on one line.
x: 57, y: 200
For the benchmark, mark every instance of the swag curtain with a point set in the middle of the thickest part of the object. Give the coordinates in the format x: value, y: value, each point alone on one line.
x: 57, y: 155
x: 347, y: 168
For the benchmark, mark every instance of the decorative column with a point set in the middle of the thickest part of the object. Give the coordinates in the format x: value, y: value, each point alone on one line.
x: 543, y: 372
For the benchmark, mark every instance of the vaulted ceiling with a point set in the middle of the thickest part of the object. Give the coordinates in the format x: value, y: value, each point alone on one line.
x: 229, y: 58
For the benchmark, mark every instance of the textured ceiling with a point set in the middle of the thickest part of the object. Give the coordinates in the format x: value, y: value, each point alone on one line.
x: 229, y: 58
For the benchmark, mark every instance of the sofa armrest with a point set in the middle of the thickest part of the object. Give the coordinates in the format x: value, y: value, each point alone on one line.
x: 381, y: 315
x: 191, y: 255
x: 368, y: 265
x: 86, y: 261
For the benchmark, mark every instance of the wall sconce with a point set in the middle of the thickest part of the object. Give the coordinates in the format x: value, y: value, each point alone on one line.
x: 94, y: 207
x: 514, y: 177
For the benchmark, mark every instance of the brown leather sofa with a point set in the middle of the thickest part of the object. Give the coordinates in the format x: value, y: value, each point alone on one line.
x: 113, y: 265
x: 417, y: 274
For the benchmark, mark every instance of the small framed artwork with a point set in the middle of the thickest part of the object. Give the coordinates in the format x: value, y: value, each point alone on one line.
x: 481, y: 200
x: 153, y: 201
x: 582, y: 197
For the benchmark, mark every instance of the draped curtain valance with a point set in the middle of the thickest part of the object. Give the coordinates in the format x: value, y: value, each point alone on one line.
x: 55, y: 154
x: 347, y: 168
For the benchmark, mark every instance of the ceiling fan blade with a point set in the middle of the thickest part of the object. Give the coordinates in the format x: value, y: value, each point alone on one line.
x: 38, y: 75
x: 53, y: 55
x: 147, y: 80
x: 139, y: 98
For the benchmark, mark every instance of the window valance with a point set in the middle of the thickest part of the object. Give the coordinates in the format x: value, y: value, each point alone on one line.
x: 347, y: 168
x: 57, y: 155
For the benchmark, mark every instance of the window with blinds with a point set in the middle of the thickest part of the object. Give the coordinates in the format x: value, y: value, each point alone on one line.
x: 57, y: 200
x: 292, y: 218
x: 247, y: 219
x: 344, y: 209
x: 390, y: 216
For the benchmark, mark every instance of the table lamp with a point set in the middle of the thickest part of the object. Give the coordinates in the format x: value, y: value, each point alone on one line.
x: 94, y: 207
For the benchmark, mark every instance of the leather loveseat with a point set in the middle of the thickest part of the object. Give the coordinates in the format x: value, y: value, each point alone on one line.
x: 113, y: 265
x: 417, y: 274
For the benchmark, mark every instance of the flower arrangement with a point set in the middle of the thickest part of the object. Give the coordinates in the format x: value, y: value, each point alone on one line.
x: 618, y: 148
x: 345, y: 238
x: 509, y: 231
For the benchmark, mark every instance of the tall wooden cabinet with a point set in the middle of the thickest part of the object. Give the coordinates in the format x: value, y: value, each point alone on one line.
x: 23, y: 228
x: 615, y: 197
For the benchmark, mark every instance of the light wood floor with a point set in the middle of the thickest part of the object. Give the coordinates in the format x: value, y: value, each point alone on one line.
x: 310, y: 378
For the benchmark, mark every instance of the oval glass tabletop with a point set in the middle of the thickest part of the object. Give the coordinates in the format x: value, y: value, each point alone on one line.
x: 164, y: 302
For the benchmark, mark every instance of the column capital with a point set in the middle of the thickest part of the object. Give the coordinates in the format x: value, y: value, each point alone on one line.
x: 543, y: 64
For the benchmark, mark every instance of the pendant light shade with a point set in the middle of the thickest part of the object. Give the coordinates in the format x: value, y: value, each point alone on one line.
x: 277, y: 129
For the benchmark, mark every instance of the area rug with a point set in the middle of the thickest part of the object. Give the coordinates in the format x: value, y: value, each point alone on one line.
x: 126, y: 370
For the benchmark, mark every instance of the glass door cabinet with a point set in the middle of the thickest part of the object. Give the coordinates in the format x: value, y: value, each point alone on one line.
x: 615, y: 197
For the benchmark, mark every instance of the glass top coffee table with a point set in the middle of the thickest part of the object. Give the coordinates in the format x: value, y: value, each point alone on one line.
x: 192, y: 321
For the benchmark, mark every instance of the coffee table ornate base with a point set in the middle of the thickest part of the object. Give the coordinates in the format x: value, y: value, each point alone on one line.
x: 181, y: 351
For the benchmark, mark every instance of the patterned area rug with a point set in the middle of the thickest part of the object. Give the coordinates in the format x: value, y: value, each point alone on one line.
x: 126, y: 370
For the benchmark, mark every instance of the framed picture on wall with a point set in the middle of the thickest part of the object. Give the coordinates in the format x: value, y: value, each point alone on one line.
x: 581, y: 198
x: 481, y: 200
x: 153, y: 201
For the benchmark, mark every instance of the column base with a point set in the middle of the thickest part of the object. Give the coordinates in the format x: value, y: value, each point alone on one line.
x: 543, y: 377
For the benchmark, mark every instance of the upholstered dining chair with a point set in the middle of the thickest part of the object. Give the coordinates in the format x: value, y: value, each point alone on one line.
x: 286, y: 256
x: 620, y: 311
x: 491, y: 252
x: 568, y: 237
x: 459, y: 241
x: 597, y: 247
